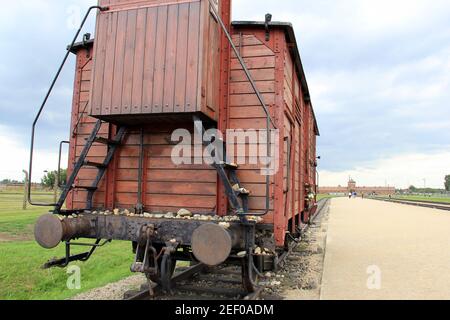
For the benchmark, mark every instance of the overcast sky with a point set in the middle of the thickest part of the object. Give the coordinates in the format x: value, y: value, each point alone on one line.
x: 378, y: 71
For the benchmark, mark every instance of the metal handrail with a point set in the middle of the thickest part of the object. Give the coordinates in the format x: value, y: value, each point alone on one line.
x: 59, y: 162
x: 269, y: 119
x: 46, y: 99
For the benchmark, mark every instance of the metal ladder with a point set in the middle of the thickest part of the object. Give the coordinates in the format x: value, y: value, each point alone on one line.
x: 227, y: 171
x: 83, y: 162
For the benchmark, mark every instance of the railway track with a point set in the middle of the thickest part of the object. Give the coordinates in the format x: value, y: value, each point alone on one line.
x: 202, y: 283
x: 417, y: 203
x: 199, y: 283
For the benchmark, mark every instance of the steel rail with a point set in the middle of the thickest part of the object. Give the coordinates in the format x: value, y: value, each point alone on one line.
x: 190, y: 272
x: 423, y: 201
x: 144, y: 294
x: 430, y: 205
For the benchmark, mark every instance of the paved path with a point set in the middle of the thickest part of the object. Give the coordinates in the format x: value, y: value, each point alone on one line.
x: 398, y: 251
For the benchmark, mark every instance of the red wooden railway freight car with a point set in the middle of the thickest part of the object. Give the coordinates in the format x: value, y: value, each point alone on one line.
x: 157, y: 66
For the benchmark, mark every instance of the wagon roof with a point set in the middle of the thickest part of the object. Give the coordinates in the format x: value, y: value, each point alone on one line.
x: 80, y: 45
x: 290, y: 35
x: 292, y: 41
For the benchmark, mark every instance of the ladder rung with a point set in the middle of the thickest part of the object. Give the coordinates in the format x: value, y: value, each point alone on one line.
x: 243, y: 192
x: 106, y: 141
x: 70, y: 212
x: 240, y: 190
x: 94, y: 164
x: 232, y: 166
x: 88, y: 188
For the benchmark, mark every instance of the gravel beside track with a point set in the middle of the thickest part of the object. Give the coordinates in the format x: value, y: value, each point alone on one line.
x: 300, y: 278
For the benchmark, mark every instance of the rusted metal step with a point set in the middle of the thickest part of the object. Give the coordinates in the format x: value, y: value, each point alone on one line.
x: 95, y: 164
x: 230, y: 166
x: 106, y: 141
x: 88, y: 188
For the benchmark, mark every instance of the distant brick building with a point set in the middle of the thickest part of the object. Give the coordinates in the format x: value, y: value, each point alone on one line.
x: 352, y: 187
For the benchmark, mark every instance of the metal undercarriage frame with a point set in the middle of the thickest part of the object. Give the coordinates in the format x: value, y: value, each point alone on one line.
x: 159, y: 243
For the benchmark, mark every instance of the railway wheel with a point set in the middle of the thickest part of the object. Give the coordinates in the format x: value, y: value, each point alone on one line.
x: 250, y: 278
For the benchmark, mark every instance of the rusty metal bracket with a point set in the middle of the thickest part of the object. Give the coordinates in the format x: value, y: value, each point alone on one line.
x: 143, y: 266
x: 83, y: 257
x: 86, y: 39
x: 268, y: 19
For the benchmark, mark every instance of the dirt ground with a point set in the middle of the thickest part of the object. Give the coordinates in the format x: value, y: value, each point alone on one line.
x: 302, y: 276
x: 6, y: 237
x: 113, y: 291
x: 378, y: 250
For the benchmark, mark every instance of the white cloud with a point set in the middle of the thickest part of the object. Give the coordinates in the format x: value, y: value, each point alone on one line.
x: 400, y: 171
x: 434, y: 125
x: 352, y: 19
x: 45, y: 15
x: 15, y: 157
x: 384, y: 15
x: 424, y: 80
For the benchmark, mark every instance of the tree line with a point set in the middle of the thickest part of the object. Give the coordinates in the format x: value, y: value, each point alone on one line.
x: 47, y: 181
x: 413, y: 189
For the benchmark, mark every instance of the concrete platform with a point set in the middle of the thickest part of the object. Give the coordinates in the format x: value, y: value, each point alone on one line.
x: 378, y: 250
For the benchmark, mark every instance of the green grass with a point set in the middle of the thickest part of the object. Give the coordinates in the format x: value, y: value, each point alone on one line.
x: 324, y: 196
x: 423, y: 198
x: 14, y: 220
x: 21, y: 276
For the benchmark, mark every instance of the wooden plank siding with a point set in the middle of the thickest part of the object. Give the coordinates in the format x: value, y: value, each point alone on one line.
x: 246, y: 112
x: 168, y: 187
x: 157, y: 76
x: 155, y: 57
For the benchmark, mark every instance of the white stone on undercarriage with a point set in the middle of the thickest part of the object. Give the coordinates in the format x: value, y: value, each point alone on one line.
x: 184, y: 213
x: 242, y: 254
x: 224, y: 225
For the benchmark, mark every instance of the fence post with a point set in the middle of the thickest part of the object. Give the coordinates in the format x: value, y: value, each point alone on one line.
x: 25, y: 190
